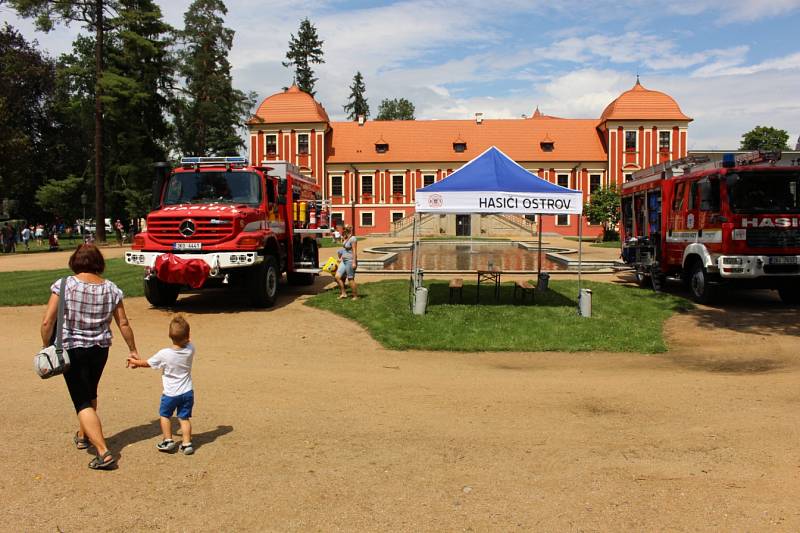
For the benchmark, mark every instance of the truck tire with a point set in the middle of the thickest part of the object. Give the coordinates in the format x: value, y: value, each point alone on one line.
x: 790, y: 294
x: 643, y: 280
x: 702, y: 292
x: 263, y: 284
x: 160, y: 294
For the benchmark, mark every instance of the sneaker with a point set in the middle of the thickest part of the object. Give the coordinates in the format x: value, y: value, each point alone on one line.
x: 166, y: 445
x: 187, y: 449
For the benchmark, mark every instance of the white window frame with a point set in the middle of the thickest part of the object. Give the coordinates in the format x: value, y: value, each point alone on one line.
x: 433, y: 175
x: 393, y: 213
x: 627, y: 176
x: 569, y: 179
x: 330, y: 184
x: 267, y: 136
x: 308, y: 136
x: 361, y: 219
x: 391, y: 184
x: 669, y: 148
x: 333, y: 215
x: 565, y: 224
x: 372, y: 182
x: 625, y: 141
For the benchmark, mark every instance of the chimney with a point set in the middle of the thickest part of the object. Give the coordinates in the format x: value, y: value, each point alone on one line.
x: 361, y: 119
x: 478, y: 118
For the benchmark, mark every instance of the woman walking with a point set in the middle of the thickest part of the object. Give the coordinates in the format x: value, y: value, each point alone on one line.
x: 349, y: 263
x: 90, y: 303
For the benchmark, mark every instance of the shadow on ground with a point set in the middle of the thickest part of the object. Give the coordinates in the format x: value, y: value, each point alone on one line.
x: 439, y: 294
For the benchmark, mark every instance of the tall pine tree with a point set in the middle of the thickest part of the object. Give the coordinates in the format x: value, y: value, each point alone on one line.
x: 357, y: 104
x: 137, y: 86
x: 210, y: 111
x: 304, y: 50
x: 93, y: 14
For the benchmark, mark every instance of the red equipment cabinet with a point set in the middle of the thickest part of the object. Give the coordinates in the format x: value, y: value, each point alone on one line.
x: 241, y: 224
x: 734, y: 222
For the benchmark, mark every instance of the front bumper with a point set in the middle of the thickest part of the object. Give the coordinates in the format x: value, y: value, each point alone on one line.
x: 217, y: 261
x: 757, y: 266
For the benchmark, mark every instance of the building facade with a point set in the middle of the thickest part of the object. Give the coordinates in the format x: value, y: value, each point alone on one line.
x: 369, y: 170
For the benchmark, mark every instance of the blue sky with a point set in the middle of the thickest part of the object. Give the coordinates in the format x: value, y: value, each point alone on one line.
x: 731, y: 65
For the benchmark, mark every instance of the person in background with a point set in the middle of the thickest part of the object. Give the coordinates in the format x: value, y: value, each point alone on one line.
x: 39, y: 234
x: 90, y: 304
x: 26, y: 237
x: 118, y: 227
x: 348, y: 263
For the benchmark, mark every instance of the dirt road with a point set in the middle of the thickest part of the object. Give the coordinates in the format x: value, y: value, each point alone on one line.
x: 304, y: 423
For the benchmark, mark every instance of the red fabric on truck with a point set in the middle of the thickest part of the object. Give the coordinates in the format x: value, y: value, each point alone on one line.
x: 170, y: 268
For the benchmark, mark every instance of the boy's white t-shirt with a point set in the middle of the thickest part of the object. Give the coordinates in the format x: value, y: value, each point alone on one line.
x: 177, y: 369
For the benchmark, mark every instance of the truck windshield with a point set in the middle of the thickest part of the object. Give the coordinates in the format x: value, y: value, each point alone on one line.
x: 207, y: 187
x: 768, y: 192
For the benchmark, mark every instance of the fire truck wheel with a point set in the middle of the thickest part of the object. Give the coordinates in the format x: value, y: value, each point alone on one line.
x: 160, y: 294
x: 790, y: 295
x: 702, y: 292
x: 643, y: 280
x: 264, y: 283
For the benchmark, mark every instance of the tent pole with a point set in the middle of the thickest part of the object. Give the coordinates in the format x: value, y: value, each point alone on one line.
x: 539, y: 260
x: 580, y: 251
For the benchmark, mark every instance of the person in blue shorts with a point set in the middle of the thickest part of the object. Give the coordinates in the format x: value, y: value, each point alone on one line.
x: 348, y: 263
x: 175, y: 363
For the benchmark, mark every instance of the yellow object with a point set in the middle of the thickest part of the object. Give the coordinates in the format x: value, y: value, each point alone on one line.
x: 331, y: 265
x: 296, y: 208
x: 303, y: 208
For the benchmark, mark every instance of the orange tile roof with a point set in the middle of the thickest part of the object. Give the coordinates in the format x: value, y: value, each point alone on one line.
x: 291, y: 105
x: 641, y: 103
x: 432, y: 140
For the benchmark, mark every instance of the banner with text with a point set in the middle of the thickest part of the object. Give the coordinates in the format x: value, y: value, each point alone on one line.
x: 499, y: 202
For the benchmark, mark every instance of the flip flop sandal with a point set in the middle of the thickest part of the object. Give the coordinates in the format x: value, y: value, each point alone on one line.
x: 103, y: 462
x: 80, y: 443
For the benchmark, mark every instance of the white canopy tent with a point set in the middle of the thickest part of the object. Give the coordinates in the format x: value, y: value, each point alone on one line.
x: 493, y: 183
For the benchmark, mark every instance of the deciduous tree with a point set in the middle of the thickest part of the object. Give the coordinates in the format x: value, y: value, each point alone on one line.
x: 93, y: 14
x: 395, y: 109
x: 603, y: 208
x: 765, y: 138
x: 304, y: 50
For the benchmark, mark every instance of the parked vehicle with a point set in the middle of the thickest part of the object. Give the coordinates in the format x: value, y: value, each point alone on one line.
x: 238, y: 224
x: 734, y: 222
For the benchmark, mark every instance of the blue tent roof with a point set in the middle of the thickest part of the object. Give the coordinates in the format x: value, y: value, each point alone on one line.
x: 494, y: 171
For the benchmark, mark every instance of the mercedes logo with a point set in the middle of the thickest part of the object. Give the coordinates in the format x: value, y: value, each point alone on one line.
x: 187, y: 228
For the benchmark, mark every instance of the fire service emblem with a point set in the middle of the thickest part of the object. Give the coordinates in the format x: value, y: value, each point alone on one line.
x: 435, y: 200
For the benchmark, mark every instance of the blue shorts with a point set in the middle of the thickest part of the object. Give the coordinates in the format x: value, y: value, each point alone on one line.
x: 346, y: 268
x: 182, y: 403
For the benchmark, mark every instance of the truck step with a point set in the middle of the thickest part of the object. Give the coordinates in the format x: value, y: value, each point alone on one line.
x: 307, y: 270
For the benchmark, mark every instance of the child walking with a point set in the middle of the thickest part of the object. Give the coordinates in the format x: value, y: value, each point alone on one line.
x: 176, y: 365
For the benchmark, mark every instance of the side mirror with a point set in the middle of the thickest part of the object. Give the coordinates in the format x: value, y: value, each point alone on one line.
x: 160, y: 177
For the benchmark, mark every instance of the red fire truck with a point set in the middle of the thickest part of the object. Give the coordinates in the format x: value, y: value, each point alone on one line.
x: 219, y: 222
x: 731, y: 223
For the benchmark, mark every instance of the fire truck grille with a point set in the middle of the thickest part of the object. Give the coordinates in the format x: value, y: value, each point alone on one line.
x: 773, y: 237
x: 208, y: 229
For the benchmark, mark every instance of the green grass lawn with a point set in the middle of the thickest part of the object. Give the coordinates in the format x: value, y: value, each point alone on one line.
x: 328, y: 242
x: 33, y: 287
x: 624, y: 319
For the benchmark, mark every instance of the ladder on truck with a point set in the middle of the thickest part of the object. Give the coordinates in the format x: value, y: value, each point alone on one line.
x: 685, y: 165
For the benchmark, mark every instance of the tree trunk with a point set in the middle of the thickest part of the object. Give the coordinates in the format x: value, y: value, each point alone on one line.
x: 99, y: 177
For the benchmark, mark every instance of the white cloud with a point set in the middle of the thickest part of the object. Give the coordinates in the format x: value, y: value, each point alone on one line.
x: 734, y: 11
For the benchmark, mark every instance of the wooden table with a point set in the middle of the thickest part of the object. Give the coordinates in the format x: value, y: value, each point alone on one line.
x: 488, y: 276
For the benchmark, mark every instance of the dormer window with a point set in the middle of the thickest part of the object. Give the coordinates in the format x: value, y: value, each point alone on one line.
x: 459, y: 147
x: 547, y: 144
x: 381, y: 146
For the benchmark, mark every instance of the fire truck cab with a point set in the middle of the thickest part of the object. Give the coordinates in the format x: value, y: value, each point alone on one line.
x: 219, y: 222
x: 734, y: 222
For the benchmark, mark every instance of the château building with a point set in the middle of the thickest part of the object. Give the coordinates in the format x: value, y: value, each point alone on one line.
x: 369, y: 170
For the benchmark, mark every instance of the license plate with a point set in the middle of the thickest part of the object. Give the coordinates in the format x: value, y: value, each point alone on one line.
x: 788, y: 260
x: 187, y: 246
